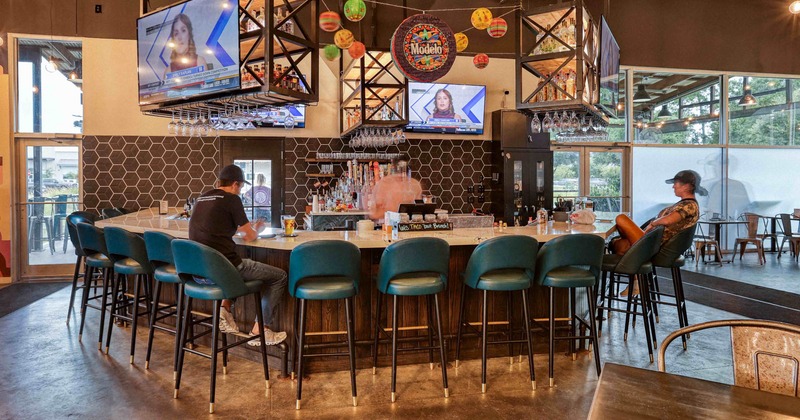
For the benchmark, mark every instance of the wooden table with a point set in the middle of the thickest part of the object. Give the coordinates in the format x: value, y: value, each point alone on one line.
x: 626, y: 392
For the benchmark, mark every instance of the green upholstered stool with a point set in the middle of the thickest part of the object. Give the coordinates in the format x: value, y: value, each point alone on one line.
x: 571, y: 262
x: 413, y: 267
x: 500, y: 264
x: 324, y: 270
x: 159, y: 252
x: 635, y: 264
x: 72, y: 220
x: 93, y: 245
x: 129, y: 254
x: 218, y: 280
x: 670, y: 256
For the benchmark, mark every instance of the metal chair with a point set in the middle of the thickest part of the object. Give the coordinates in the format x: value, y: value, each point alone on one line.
x: 195, y: 261
x: 571, y: 262
x: 60, y: 214
x: 789, y: 235
x: 37, y: 219
x: 501, y: 264
x: 765, y: 353
x: 702, y: 244
x: 93, y: 244
x: 751, y: 238
x: 324, y: 270
x: 72, y: 222
x: 413, y: 267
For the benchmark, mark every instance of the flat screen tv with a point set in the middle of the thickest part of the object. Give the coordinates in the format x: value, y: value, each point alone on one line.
x: 609, y: 70
x: 187, y: 50
x: 445, y: 108
x: 276, y: 117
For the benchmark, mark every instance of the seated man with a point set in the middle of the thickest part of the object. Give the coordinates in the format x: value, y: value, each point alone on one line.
x: 216, y: 217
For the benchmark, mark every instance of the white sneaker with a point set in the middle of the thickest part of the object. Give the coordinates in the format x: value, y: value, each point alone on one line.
x: 226, y: 322
x: 270, y: 337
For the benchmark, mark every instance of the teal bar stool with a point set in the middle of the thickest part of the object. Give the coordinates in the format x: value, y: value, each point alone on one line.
x: 635, y: 264
x: 413, y: 267
x: 93, y: 244
x: 209, y: 275
x: 670, y: 256
x: 571, y: 262
x: 72, y: 221
x: 159, y: 252
x: 129, y: 254
x: 324, y: 270
x: 501, y: 264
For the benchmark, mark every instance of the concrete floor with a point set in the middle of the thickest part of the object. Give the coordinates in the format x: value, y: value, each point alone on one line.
x: 47, y: 373
x: 780, y: 274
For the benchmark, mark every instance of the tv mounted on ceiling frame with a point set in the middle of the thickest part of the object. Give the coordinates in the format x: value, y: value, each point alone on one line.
x: 609, y: 70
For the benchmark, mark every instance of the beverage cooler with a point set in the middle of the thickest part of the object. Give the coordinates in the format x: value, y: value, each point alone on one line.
x: 522, y: 169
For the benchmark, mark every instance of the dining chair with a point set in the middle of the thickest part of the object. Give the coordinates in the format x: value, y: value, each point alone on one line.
x: 789, y: 235
x: 765, y: 353
x: 752, y: 220
x: 704, y: 243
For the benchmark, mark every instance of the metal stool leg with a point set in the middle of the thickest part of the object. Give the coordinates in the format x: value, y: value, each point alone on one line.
x: 351, y: 347
x: 151, y: 329
x: 593, y: 329
x: 377, y: 334
x: 394, y: 349
x: 527, y: 317
x: 75, y: 285
x: 301, y: 339
x: 460, y: 322
x: 442, y: 352
x: 214, y: 350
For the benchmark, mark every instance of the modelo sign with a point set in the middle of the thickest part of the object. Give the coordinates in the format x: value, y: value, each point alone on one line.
x: 424, y: 48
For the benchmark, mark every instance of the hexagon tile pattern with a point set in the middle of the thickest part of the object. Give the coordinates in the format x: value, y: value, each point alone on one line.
x: 444, y: 167
x: 135, y: 172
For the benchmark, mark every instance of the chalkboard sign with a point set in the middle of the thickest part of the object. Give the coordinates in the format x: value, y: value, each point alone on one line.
x: 423, y: 226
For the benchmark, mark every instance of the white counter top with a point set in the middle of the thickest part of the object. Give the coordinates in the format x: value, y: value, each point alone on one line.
x: 149, y: 219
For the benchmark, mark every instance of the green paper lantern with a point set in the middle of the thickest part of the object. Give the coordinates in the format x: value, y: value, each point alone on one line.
x: 355, y: 10
x: 331, y: 52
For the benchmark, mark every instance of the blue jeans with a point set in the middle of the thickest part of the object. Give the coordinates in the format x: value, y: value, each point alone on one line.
x: 274, y: 285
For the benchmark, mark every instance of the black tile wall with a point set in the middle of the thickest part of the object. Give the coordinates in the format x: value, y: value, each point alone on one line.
x: 134, y: 172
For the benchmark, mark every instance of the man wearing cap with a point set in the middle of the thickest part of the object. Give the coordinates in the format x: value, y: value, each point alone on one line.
x: 675, y: 218
x: 216, y: 217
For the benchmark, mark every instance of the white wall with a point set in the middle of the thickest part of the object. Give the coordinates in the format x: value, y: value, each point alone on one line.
x: 110, y: 95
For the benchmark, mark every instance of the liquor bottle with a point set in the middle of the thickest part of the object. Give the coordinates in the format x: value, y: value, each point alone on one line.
x: 540, y: 96
x: 559, y: 94
x: 261, y: 16
x: 541, y: 216
x: 384, y: 110
x: 571, y: 83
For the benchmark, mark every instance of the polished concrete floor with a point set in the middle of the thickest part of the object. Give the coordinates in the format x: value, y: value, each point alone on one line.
x: 47, y: 373
x: 780, y: 274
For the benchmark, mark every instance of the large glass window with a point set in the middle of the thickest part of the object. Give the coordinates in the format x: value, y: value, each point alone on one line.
x: 676, y: 108
x: 763, y: 181
x: 257, y: 197
x: 49, y: 75
x: 762, y: 111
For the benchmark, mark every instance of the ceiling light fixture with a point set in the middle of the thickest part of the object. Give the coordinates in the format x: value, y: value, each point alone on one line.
x: 748, y: 98
x: 51, y: 65
x: 795, y: 7
x: 664, y: 113
x: 641, y: 94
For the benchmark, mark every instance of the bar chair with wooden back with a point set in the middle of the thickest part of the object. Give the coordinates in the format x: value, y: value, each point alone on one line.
x: 752, y: 220
x: 704, y: 243
x: 765, y: 353
x: 500, y: 264
x: 789, y: 235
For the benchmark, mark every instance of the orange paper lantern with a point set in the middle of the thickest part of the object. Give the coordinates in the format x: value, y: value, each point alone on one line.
x: 461, y: 41
x: 357, y: 50
x: 497, y: 28
x: 481, y: 18
x: 329, y: 21
x: 343, y: 39
x: 481, y: 61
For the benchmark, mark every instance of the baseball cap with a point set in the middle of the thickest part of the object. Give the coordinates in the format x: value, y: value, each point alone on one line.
x: 688, y: 176
x: 232, y: 173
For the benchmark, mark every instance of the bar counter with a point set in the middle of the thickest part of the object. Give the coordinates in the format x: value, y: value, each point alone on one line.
x: 330, y: 316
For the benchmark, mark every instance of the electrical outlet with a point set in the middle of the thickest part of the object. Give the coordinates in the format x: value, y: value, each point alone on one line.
x: 481, y: 189
x: 481, y: 198
x: 470, y: 189
x: 471, y: 199
x: 98, y: 8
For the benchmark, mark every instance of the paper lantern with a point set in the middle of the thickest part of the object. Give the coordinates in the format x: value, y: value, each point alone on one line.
x: 329, y: 21
x: 481, y: 18
x: 497, y: 28
x: 355, y: 10
x: 481, y: 61
x: 357, y: 50
x: 343, y: 39
x: 461, y: 42
x: 331, y: 52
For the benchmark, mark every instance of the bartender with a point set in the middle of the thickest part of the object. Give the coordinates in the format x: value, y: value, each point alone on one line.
x: 393, y: 190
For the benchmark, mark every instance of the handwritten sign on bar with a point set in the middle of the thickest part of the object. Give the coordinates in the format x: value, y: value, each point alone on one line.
x: 423, y: 226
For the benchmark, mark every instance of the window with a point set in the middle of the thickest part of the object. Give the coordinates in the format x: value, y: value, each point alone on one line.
x: 771, y: 118
x: 257, y: 198
x: 49, y: 76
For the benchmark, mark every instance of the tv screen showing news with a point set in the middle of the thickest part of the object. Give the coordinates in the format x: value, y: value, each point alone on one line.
x: 276, y: 117
x: 609, y: 70
x: 445, y: 108
x: 190, y: 49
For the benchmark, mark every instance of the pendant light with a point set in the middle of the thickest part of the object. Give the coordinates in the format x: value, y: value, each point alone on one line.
x: 641, y: 94
x: 664, y: 113
x: 748, y: 98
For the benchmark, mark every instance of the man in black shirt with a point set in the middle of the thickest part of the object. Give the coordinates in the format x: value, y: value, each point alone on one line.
x: 217, y: 216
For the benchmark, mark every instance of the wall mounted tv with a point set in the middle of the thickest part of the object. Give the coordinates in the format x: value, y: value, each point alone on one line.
x: 445, y: 108
x: 609, y: 70
x: 276, y: 117
x: 187, y: 50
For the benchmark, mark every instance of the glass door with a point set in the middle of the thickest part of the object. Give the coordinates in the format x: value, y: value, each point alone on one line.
x: 597, y: 173
x: 261, y: 161
x: 48, y: 190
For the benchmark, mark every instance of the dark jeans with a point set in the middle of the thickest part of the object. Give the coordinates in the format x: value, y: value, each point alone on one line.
x: 274, y: 285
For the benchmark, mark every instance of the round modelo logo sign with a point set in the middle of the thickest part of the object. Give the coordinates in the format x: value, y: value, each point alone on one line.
x: 423, y: 48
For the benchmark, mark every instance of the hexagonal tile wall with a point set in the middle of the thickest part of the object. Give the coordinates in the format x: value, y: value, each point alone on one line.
x: 135, y: 172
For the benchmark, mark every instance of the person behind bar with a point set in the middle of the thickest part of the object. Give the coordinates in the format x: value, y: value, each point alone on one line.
x: 675, y: 218
x: 443, y: 106
x: 184, y: 52
x: 393, y: 190
x: 219, y: 214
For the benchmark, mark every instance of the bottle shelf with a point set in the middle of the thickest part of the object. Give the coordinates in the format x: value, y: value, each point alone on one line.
x: 320, y: 175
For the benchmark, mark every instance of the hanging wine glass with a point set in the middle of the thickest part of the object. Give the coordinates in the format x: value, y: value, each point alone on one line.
x: 573, y: 123
x: 536, y: 125
x: 564, y: 122
x: 555, y: 126
x: 547, y: 123
x: 172, y: 126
